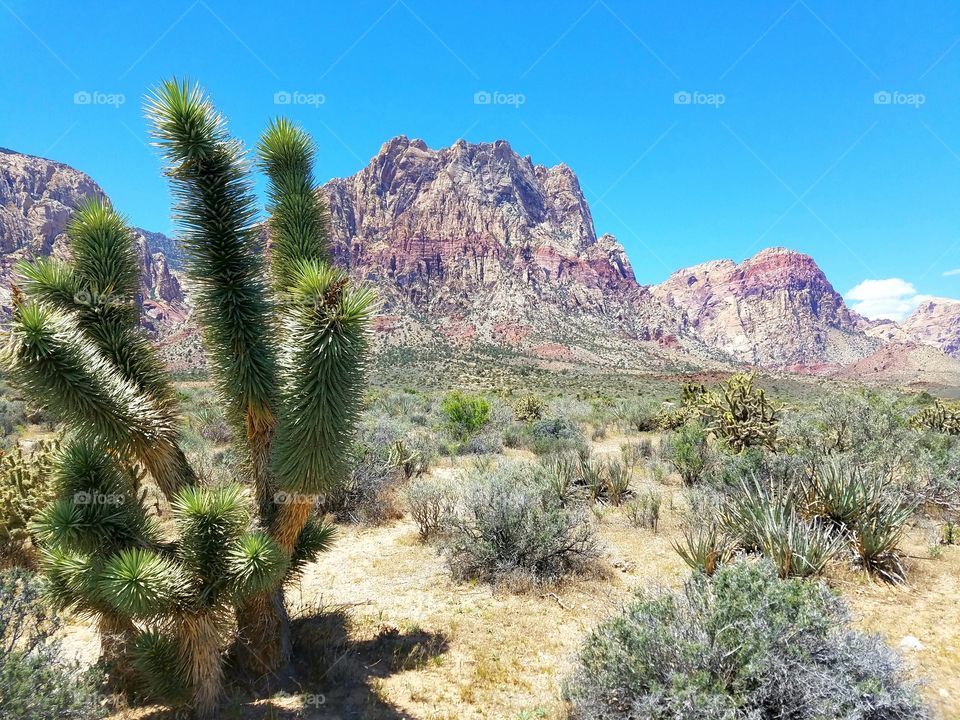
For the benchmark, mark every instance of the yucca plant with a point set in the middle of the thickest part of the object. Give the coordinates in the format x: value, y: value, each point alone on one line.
x: 618, y: 481
x: 767, y: 519
x: 705, y: 547
x: 865, y: 509
x: 286, y: 339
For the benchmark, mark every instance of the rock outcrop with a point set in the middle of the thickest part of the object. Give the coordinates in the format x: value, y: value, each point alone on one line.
x: 37, y: 197
x: 482, y: 245
x: 936, y: 323
x: 775, y: 309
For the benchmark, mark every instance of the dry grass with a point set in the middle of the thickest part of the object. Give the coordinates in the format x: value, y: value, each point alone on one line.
x: 383, y: 632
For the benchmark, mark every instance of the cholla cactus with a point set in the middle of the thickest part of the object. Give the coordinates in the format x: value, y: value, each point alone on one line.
x: 528, y: 408
x: 939, y: 417
x: 287, y: 357
x: 737, y: 412
x: 25, y: 489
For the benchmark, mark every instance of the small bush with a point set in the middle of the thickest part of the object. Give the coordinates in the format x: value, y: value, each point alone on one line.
x: 617, y: 478
x: 644, y: 510
x: 638, y: 415
x: 705, y: 547
x: 741, y: 645
x: 554, y: 436
x: 511, y: 528
x: 465, y: 414
x: 591, y: 476
x: 687, y: 451
x: 561, y: 481
x: 431, y: 503
x: 36, y: 683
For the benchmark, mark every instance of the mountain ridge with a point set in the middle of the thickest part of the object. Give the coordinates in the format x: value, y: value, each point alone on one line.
x: 473, y: 244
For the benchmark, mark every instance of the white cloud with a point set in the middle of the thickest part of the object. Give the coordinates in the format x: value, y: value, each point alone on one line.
x: 890, y: 299
x: 951, y: 273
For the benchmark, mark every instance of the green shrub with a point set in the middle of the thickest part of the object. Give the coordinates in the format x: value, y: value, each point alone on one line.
x: 36, y: 683
x: 554, y: 436
x: 705, y: 547
x: 465, y: 414
x: 512, y: 528
x: 591, y: 476
x: 688, y: 452
x: 561, y: 481
x: 742, y: 645
x: 638, y: 415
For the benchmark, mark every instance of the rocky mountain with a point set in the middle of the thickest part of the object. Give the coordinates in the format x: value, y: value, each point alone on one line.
x: 475, y: 246
x: 479, y: 245
x: 498, y: 249
x: 776, y: 309
x: 37, y: 197
x: 936, y: 323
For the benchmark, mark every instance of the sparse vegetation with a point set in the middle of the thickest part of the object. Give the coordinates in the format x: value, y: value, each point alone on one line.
x: 742, y: 644
x: 511, y: 528
x: 37, y: 682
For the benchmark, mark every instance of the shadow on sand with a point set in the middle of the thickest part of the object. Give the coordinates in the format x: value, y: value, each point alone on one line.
x: 332, y: 676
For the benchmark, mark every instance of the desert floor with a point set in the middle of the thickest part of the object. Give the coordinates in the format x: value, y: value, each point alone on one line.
x: 382, y: 631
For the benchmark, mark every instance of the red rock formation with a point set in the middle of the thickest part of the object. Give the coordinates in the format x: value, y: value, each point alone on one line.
x: 936, y: 323
x: 775, y: 309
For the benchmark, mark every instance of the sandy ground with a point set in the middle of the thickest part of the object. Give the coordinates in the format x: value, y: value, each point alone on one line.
x: 384, y: 633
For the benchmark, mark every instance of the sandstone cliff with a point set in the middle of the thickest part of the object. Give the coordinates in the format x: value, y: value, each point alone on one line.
x: 936, y: 323
x: 37, y: 197
x: 774, y: 309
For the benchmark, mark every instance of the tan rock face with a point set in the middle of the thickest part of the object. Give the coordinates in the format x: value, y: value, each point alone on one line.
x: 775, y: 309
x: 37, y: 197
x: 479, y: 235
x: 475, y: 245
x: 936, y: 323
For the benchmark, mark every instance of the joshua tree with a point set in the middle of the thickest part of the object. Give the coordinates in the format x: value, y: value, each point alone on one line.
x: 286, y: 351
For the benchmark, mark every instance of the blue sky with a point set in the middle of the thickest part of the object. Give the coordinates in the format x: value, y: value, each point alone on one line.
x: 780, y: 139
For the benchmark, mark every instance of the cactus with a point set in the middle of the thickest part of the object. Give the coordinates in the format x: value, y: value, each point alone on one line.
x: 939, y: 417
x: 737, y: 412
x: 409, y: 461
x: 25, y: 489
x: 528, y: 408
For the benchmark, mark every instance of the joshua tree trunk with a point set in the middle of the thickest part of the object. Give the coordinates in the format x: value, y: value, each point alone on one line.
x: 200, y: 639
x: 116, y: 635
x: 263, y: 644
